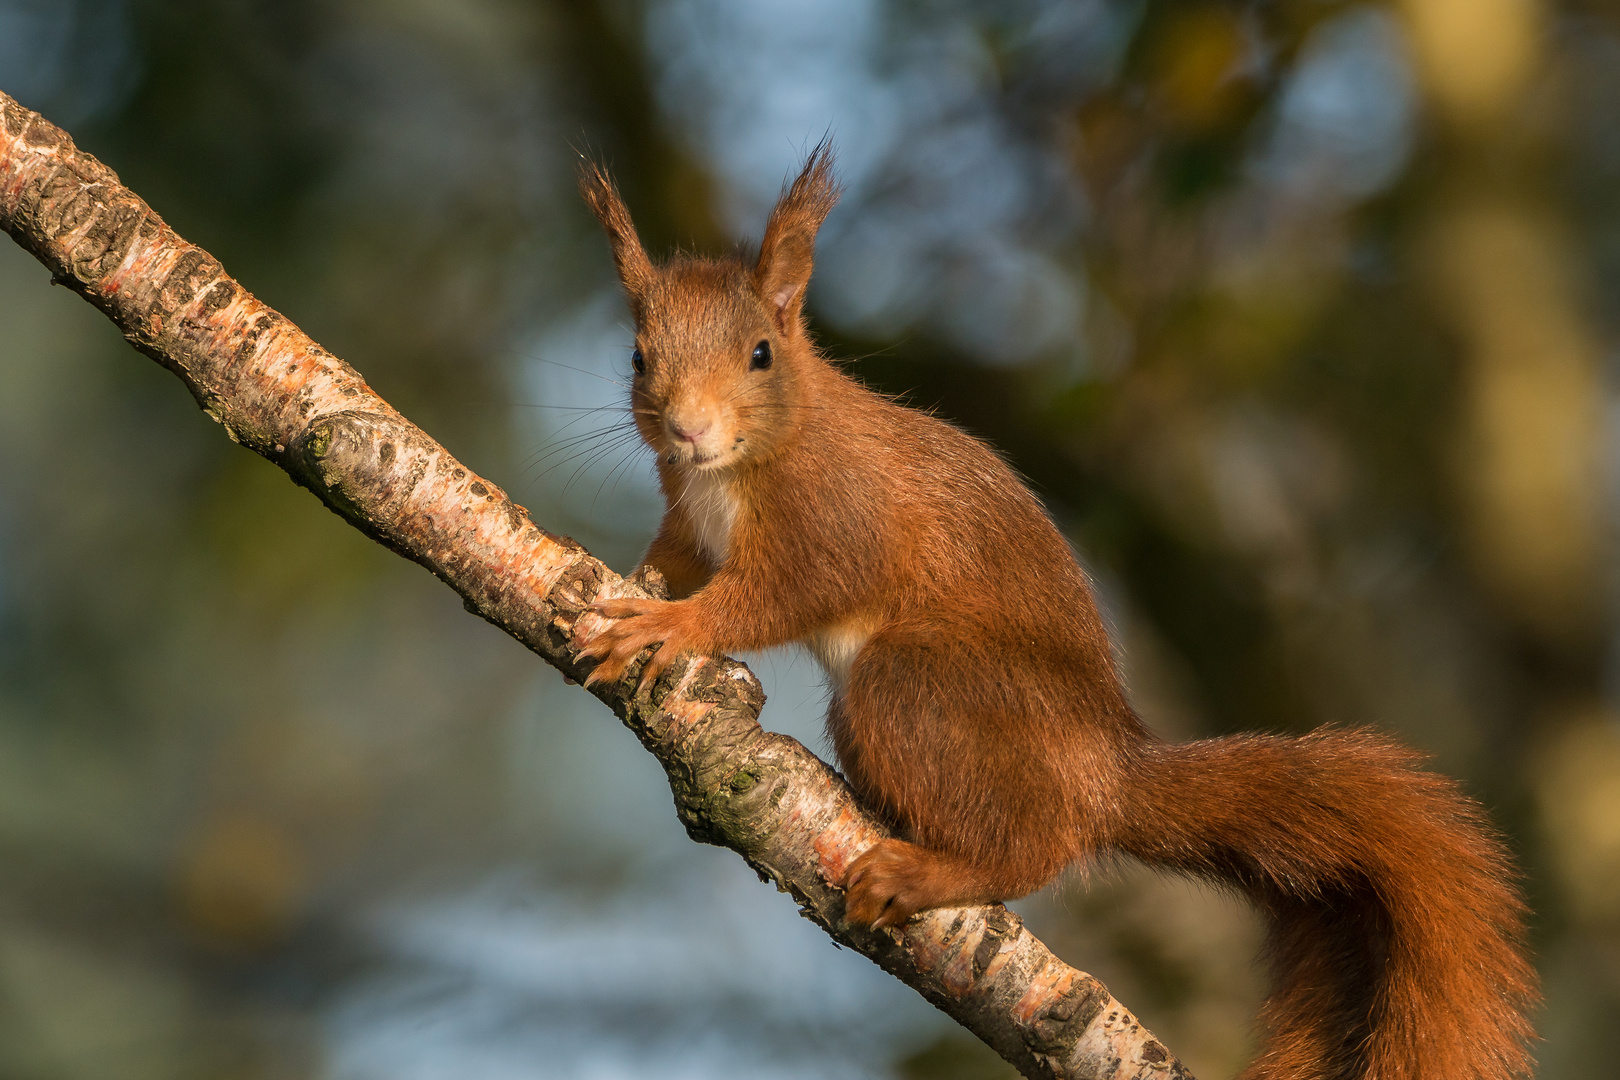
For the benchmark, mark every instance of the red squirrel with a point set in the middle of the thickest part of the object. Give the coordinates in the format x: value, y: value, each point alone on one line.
x: 975, y: 705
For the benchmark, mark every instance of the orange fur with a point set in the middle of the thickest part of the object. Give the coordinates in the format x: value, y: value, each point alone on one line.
x: 976, y: 707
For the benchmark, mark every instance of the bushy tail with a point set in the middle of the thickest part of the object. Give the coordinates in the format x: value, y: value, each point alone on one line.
x: 1395, y: 931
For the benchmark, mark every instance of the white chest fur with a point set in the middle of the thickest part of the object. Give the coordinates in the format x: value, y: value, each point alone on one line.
x: 711, y: 507
x: 835, y: 648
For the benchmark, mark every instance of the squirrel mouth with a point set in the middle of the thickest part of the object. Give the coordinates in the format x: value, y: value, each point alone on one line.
x: 695, y: 459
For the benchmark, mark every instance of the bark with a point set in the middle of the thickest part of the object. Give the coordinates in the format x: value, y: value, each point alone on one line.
x: 763, y: 795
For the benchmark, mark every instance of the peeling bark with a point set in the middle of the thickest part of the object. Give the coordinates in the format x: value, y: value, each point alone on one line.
x: 763, y: 795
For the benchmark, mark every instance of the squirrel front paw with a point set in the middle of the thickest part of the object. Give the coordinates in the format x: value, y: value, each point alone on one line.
x: 638, y: 624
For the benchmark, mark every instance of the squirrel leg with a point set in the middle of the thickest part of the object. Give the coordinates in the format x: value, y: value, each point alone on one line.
x: 960, y: 773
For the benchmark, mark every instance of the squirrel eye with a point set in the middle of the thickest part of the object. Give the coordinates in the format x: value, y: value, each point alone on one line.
x: 638, y: 362
x: 761, y: 358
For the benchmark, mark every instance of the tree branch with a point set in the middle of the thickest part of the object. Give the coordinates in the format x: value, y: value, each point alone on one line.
x: 761, y: 794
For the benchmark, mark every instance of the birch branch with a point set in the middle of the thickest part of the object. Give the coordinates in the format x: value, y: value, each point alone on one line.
x: 761, y: 794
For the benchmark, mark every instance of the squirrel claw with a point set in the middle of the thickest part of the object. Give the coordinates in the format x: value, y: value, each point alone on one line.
x: 656, y: 663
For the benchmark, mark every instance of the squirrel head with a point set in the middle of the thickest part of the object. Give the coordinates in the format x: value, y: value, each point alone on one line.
x: 722, y: 352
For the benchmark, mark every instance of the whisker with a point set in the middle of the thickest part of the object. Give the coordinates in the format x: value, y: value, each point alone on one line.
x: 581, y: 449
x: 570, y: 408
x: 583, y: 371
x: 582, y: 416
x: 576, y: 449
x: 590, y: 459
x: 584, y: 460
x: 555, y: 446
x: 613, y: 474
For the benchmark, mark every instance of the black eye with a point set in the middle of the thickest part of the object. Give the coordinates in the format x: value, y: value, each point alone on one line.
x: 761, y: 358
x: 638, y: 362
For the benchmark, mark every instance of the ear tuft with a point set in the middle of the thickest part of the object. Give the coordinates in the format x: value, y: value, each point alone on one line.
x: 787, y: 253
x: 636, y: 271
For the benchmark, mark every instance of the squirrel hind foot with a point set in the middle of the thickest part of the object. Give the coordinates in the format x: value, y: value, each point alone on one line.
x: 893, y: 880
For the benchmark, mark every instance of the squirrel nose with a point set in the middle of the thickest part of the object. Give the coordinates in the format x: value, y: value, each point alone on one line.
x: 689, y: 428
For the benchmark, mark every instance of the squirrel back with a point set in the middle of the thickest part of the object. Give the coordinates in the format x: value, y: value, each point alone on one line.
x: 975, y: 704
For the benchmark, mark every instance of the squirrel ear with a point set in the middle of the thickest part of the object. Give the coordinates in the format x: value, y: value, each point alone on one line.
x: 788, y: 250
x: 635, y: 269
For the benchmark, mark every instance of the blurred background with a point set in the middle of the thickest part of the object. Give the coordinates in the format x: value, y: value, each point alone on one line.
x: 1298, y: 313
